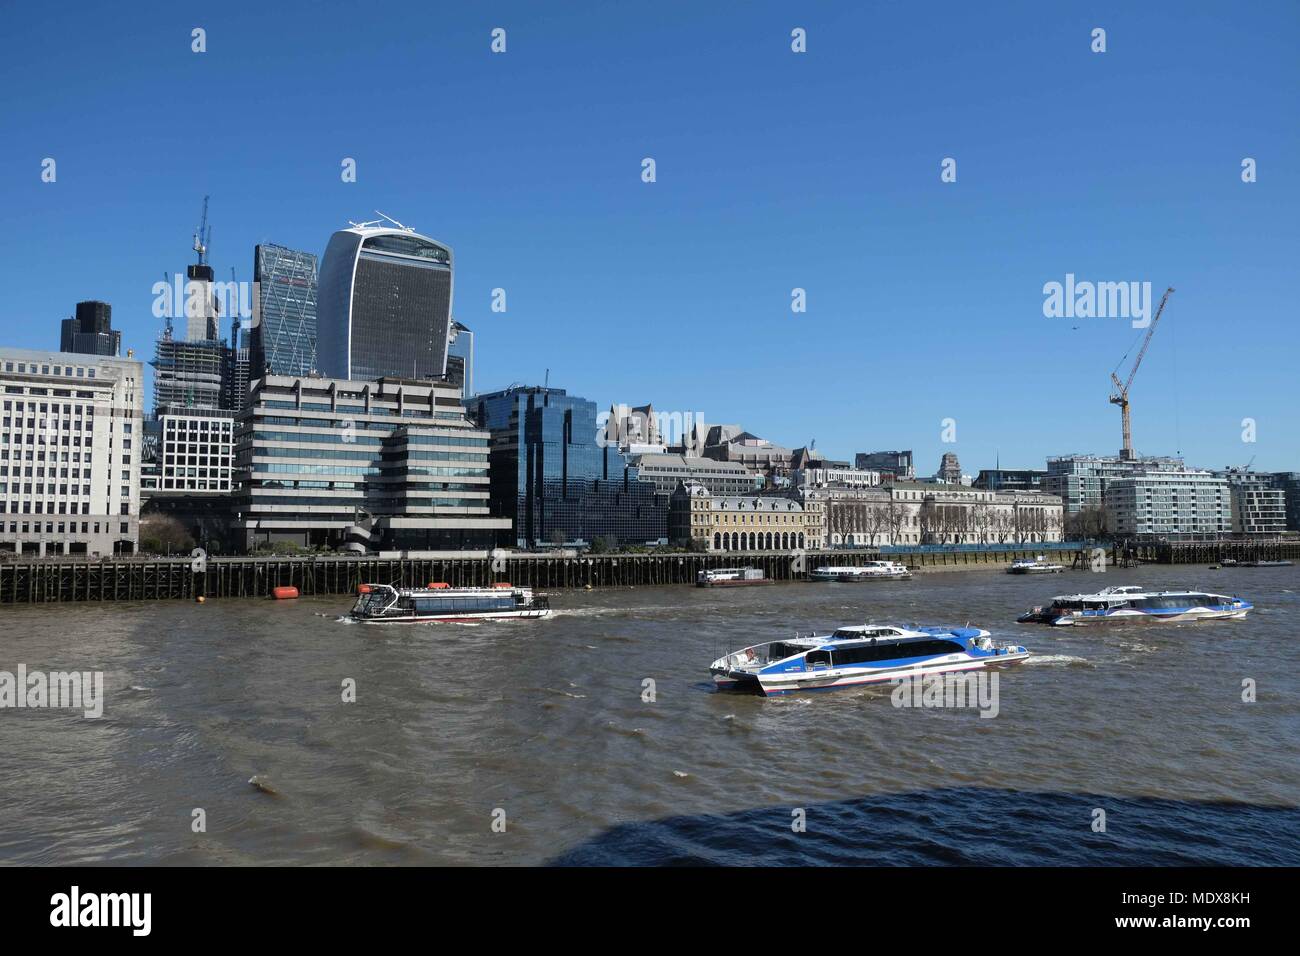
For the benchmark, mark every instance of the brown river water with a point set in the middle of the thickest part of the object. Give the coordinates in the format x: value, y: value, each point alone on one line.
x: 543, y: 725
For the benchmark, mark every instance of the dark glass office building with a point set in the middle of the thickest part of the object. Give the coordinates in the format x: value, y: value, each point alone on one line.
x: 384, y: 305
x: 552, y: 479
x: 283, y: 339
x: 90, y: 331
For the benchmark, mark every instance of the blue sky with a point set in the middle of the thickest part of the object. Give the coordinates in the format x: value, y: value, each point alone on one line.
x: 775, y: 170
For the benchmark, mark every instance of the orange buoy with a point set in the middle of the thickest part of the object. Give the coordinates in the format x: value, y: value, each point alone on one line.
x: 363, y: 588
x: 436, y: 585
x: 282, y: 594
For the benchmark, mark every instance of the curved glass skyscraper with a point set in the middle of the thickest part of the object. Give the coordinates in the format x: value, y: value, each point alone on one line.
x: 383, y: 305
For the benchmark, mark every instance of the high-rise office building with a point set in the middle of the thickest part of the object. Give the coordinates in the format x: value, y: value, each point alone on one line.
x: 384, y: 305
x: 554, y: 479
x: 70, y: 448
x: 283, y: 335
x: 90, y: 331
x: 388, y: 465
x: 892, y: 464
x: 238, y: 368
x: 460, y: 358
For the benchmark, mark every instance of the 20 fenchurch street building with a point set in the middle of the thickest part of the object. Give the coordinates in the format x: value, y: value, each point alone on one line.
x: 384, y: 305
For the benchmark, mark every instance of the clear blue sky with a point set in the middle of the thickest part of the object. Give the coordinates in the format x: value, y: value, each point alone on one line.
x: 775, y: 171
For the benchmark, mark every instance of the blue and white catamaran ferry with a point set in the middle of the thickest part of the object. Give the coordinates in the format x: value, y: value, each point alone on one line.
x: 1129, y: 603
x: 860, y: 654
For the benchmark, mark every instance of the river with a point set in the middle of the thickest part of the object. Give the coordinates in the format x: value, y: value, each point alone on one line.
x: 538, y: 742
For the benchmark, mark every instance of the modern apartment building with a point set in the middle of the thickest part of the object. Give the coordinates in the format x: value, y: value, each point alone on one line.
x: 283, y: 333
x: 383, y: 306
x: 1080, y: 481
x: 1009, y: 479
x: 556, y: 482
x: 1169, y: 504
x: 70, y: 427
x: 1288, y: 482
x: 1258, y: 504
x: 390, y: 465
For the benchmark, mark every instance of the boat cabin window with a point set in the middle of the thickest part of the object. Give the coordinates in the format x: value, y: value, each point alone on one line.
x: 869, y: 653
x: 818, y: 657
x: 442, y: 605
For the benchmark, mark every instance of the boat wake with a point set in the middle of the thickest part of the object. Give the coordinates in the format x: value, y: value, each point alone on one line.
x: 1055, y: 660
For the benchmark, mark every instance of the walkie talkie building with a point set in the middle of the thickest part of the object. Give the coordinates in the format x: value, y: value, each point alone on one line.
x: 383, y: 305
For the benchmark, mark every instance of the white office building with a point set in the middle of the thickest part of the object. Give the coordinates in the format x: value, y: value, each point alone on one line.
x: 195, y: 450
x: 70, y: 427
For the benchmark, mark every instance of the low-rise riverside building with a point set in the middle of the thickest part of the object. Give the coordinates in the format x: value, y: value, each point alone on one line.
x: 1169, y: 504
x: 917, y: 513
x: 69, y: 458
x: 743, y: 522
x: 388, y: 465
x: 720, y: 477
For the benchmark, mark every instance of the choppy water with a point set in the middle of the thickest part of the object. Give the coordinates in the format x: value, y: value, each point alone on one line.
x: 545, y: 721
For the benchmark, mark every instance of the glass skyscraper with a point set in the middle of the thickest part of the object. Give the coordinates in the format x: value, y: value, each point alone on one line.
x: 90, y: 331
x: 283, y: 336
x: 384, y: 306
x: 551, y: 477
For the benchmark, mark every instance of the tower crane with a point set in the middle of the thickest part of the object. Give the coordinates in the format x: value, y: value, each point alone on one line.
x: 204, y: 235
x: 1120, y: 394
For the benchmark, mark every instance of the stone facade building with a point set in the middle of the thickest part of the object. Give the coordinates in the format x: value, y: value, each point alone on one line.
x: 912, y: 513
x: 744, y: 522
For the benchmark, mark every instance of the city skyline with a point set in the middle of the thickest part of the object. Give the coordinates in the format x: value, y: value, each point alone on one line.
x: 745, y: 208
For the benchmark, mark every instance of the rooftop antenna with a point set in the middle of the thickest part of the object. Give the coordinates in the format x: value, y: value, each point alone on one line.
x: 394, y: 221
x: 546, y: 382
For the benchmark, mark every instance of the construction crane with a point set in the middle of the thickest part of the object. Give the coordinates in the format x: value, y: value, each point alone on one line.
x: 203, y: 237
x: 1120, y: 395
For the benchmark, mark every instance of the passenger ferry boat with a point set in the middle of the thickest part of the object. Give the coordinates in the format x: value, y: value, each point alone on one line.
x: 385, y: 604
x: 730, y: 578
x: 1130, y: 603
x: 1034, y: 566
x: 858, y: 655
x: 870, y: 571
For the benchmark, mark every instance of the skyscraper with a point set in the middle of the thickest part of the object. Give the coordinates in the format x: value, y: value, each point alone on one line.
x: 90, y: 331
x: 384, y: 305
x: 555, y: 481
x: 284, y: 325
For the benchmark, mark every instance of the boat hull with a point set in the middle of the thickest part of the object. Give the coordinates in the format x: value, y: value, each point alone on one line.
x: 529, y: 613
x: 778, y: 685
x: 733, y: 584
x: 1126, y: 616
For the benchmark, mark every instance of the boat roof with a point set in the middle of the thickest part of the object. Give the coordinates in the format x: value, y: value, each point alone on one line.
x: 1118, y: 593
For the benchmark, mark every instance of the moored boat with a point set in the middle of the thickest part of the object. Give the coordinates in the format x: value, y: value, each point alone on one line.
x: 1130, y: 603
x: 385, y: 604
x: 1034, y: 566
x: 858, y: 655
x: 868, y: 571
x: 730, y: 578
